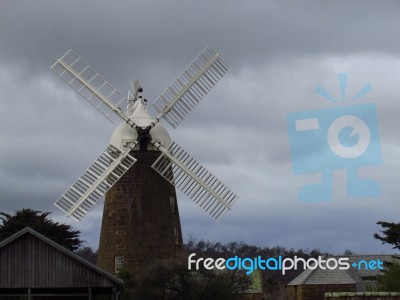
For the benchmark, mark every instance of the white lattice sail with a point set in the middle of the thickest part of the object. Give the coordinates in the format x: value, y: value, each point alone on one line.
x: 195, y: 181
x: 190, y: 87
x: 174, y: 164
x: 101, y: 94
x: 80, y: 198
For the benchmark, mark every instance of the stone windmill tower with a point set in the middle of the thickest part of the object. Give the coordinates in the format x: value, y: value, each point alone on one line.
x: 141, y: 217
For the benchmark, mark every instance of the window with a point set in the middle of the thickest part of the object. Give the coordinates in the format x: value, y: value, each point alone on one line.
x: 172, y: 203
x: 176, y: 235
x: 119, y: 263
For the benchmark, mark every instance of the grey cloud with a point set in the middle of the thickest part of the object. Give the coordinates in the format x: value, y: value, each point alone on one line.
x: 278, y: 52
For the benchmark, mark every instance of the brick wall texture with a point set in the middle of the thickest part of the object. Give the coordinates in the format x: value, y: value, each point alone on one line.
x: 139, y: 221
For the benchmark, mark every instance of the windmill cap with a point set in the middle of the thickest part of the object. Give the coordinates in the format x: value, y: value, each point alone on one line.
x: 125, y: 134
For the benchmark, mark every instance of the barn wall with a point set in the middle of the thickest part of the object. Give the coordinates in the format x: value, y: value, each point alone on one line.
x: 30, y: 262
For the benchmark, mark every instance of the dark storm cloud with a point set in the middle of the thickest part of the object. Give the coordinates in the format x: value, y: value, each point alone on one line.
x: 139, y: 35
x: 278, y: 52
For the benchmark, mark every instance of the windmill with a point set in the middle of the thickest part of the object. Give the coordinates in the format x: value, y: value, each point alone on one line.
x: 140, y: 218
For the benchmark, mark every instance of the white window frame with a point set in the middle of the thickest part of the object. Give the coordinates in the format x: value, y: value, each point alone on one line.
x: 119, y: 261
x: 176, y: 234
x: 172, y: 204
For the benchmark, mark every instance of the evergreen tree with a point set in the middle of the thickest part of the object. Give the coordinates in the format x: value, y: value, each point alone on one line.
x: 391, y: 234
x: 62, y: 234
x: 390, y: 281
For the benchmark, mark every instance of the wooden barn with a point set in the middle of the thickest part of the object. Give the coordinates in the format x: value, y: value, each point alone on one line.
x: 34, y: 267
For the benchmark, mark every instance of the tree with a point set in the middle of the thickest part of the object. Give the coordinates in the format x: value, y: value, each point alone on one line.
x: 178, y: 283
x: 62, y: 234
x: 391, y: 234
x: 87, y: 253
x: 390, y: 280
x: 348, y: 252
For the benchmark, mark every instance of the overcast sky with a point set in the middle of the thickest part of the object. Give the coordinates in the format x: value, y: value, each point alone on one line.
x: 278, y: 53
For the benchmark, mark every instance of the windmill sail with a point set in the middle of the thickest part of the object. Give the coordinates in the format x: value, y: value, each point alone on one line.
x: 189, y: 176
x: 190, y: 87
x: 102, y: 95
x: 174, y: 164
x: 95, y: 182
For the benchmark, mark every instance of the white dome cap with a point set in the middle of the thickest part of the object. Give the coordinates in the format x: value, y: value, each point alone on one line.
x: 125, y: 134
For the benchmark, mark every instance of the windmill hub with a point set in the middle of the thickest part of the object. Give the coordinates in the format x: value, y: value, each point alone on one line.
x: 124, y: 134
